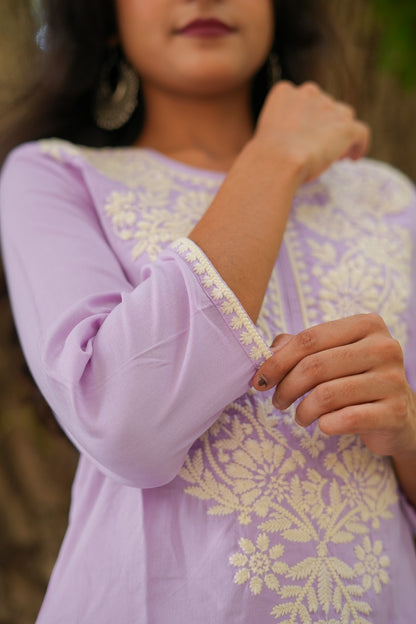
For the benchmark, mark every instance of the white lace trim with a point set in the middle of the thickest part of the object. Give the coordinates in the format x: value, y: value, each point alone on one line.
x: 234, y: 313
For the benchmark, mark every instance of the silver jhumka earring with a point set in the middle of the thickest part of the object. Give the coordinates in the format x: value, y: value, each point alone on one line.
x: 117, y: 94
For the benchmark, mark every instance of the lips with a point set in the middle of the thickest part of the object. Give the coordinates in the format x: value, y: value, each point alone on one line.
x: 206, y: 28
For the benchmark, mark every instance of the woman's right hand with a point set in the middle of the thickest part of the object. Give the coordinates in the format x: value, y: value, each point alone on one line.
x: 300, y: 133
x: 309, y: 128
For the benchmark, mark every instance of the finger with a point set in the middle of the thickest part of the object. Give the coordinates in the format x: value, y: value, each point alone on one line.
x: 338, y: 394
x: 368, y: 418
x: 280, y: 341
x: 313, y: 340
x: 325, y: 366
x: 361, y: 143
x: 345, y: 110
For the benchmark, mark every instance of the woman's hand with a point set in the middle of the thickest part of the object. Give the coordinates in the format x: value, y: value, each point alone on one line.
x: 310, y: 128
x: 300, y: 133
x: 353, y: 372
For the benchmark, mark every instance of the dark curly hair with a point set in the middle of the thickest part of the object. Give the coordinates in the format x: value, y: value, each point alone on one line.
x: 60, y: 100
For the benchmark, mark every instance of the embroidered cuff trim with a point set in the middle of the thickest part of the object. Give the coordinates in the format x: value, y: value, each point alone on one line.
x: 224, y: 298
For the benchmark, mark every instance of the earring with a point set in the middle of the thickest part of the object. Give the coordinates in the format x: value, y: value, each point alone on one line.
x: 117, y: 94
x: 274, y: 70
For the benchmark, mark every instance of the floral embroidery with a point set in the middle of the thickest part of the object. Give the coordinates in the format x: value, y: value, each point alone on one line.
x: 133, y: 167
x: 147, y: 217
x: 291, y: 486
x: 372, y: 564
x: 245, y: 465
x: 259, y: 563
x: 368, y: 270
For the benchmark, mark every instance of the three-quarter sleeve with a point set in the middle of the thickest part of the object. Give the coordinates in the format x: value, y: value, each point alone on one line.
x: 135, y: 373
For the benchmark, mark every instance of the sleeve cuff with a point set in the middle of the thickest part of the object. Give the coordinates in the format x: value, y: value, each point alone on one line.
x: 224, y: 299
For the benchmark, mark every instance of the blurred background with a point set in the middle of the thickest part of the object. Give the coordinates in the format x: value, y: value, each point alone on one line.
x: 37, y: 463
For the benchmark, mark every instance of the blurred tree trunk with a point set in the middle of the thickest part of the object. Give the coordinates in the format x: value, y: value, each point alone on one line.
x: 380, y: 100
x: 36, y: 464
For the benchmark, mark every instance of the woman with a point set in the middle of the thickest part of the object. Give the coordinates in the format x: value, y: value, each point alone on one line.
x: 136, y: 276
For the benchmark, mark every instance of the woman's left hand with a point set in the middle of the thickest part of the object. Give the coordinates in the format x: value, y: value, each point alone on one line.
x: 353, y: 372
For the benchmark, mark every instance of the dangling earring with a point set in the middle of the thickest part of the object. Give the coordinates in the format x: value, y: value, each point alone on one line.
x: 274, y: 70
x: 117, y: 93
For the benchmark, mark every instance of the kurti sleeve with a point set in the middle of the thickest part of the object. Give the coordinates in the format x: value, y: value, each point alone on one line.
x: 134, y: 373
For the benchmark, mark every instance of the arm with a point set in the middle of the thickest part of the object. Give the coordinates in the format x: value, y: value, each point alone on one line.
x: 300, y: 133
x: 134, y: 374
x: 127, y: 370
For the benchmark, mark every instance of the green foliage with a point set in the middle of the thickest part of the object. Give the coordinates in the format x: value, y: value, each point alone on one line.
x: 397, y: 48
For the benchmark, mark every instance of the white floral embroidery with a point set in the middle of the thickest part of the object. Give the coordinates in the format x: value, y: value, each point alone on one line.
x: 134, y: 167
x: 245, y: 465
x: 294, y: 486
x: 259, y: 563
x: 146, y: 217
x: 372, y: 564
x: 368, y: 270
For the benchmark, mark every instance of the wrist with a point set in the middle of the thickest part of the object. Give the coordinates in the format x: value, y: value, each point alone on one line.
x: 282, y: 162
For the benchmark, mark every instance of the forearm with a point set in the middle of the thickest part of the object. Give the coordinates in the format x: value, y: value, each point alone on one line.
x: 242, y: 230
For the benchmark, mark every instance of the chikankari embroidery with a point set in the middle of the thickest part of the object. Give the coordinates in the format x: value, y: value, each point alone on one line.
x: 224, y: 298
x: 245, y: 465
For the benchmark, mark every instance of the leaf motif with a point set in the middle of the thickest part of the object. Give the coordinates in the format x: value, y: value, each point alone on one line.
x: 290, y: 591
x: 303, y: 569
x: 236, y: 471
x: 337, y: 599
x: 345, y: 615
x: 198, y: 462
x: 227, y: 495
x: 279, y: 523
x: 296, y: 491
x: 297, y: 535
x: 249, y: 497
x: 355, y: 590
x: 304, y: 615
x: 334, y: 493
x: 342, y: 537
x: 220, y: 510
x: 362, y: 607
x: 198, y: 492
x: 343, y: 569
x: 242, y: 485
x: 243, y: 459
x: 325, y: 585
x: 345, y: 441
x: 283, y: 609
x: 357, y: 528
x: 299, y: 458
x: 312, y: 600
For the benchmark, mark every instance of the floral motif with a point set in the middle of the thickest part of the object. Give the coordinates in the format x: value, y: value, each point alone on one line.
x: 372, y: 564
x: 133, y: 167
x: 246, y: 465
x: 259, y: 563
x: 363, y: 262
x: 290, y: 486
x: 147, y: 218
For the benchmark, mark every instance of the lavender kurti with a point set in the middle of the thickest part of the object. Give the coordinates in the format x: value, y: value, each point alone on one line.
x: 185, y: 510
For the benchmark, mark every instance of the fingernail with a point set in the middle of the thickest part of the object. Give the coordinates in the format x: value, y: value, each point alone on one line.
x: 276, y: 403
x: 262, y: 382
x: 299, y: 424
